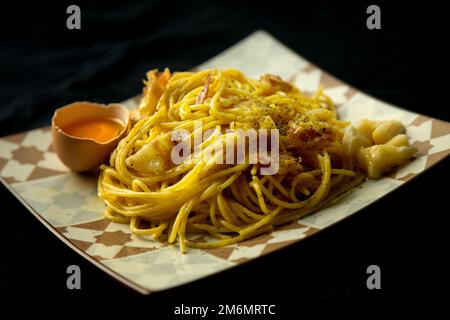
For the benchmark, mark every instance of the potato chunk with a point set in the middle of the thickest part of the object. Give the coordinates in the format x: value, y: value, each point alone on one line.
x: 399, y: 140
x: 377, y: 146
x: 353, y: 141
x: 387, y: 130
x: 378, y: 159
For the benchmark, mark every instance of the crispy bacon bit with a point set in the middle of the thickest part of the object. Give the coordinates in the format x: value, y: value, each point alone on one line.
x: 154, y: 87
x: 202, y: 96
x: 312, y: 138
x: 274, y: 83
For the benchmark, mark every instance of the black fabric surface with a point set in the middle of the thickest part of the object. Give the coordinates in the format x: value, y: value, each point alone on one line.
x: 43, y: 66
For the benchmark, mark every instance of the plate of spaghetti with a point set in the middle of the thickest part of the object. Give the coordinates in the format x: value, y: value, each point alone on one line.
x: 312, y: 159
x: 250, y: 152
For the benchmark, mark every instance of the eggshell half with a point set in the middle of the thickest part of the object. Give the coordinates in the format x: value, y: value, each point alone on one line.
x: 83, y: 154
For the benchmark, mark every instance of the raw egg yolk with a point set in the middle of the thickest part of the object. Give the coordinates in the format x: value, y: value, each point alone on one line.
x: 99, y: 130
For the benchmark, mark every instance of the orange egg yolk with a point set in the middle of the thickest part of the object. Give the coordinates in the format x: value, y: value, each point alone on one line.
x: 99, y: 130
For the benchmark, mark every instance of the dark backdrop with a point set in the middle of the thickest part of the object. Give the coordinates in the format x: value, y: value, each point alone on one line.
x: 44, y: 66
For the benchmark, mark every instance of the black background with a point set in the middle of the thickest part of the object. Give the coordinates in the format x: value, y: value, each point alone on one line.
x: 44, y: 65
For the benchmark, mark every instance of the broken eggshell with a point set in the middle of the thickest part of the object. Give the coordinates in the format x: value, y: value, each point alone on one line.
x: 83, y: 153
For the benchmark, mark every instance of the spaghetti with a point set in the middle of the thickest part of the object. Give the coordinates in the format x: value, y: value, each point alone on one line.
x: 142, y: 186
